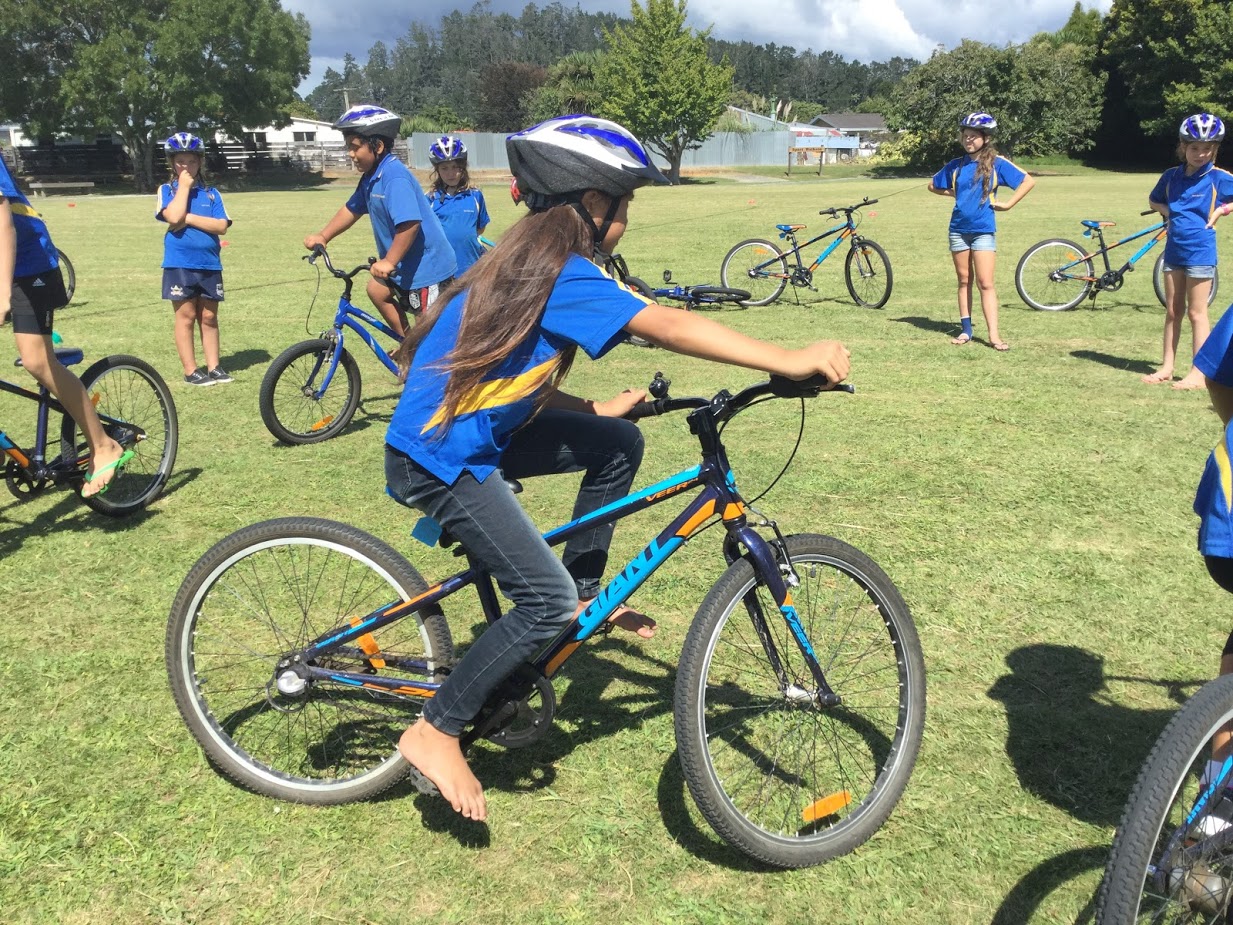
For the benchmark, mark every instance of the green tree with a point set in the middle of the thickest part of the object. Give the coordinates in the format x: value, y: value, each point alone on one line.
x: 569, y: 88
x: 656, y: 80
x: 143, y: 68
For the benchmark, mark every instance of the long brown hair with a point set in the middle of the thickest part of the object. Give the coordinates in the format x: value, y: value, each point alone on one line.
x: 985, y: 158
x: 506, y: 295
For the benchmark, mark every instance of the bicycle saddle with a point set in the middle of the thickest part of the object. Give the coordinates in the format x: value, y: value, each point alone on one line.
x: 66, y: 355
x: 788, y: 229
x: 1088, y: 223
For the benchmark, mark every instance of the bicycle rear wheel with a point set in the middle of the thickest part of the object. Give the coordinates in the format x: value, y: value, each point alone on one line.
x: 129, y: 392
x: 1158, y: 282
x: 1160, y: 868
x: 1054, y: 275
x: 758, y: 267
x: 867, y: 271
x: 290, y: 407
x: 778, y: 775
x: 260, y: 596
x: 66, y: 270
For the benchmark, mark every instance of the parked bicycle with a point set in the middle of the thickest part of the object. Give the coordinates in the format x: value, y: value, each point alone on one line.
x: 1172, y: 853
x: 762, y: 268
x: 1057, y: 274
x: 137, y: 411
x: 300, y: 400
x: 299, y: 650
x: 691, y: 297
x: 66, y: 270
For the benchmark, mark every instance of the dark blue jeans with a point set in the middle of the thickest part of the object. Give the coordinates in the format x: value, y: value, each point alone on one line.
x: 486, y: 518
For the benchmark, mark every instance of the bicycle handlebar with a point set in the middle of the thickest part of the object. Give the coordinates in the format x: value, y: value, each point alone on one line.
x: 319, y: 251
x: 833, y: 212
x: 725, y: 405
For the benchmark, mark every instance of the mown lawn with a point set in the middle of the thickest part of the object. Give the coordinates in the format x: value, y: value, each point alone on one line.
x: 1034, y: 508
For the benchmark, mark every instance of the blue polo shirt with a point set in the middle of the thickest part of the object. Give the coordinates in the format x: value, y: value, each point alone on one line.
x: 1191, y: 200
x: 35, y: 252
x: 973, y: 214
x: 1215, y: 358
x: 389, y: 196
x: 462, y: 216
x: 1213, y: 502
x: 586, y: 308
x: 192, y: 248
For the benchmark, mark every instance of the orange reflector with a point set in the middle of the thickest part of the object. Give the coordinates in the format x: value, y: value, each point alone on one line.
x: 827, y: 806
x: 368, y: 645
x: 96, y: 398
x: 324, y: 422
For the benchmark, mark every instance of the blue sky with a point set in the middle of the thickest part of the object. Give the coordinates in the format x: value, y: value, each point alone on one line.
x: 862, y: 30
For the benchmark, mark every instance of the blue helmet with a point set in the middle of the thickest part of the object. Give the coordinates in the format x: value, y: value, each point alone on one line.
x: 980, y: 121
x: 1201, y: 127
x: 447, y: 148
x: 183, y: 141
x: 369, y: 121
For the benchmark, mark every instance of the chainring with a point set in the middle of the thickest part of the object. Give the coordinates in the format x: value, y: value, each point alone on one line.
x: 531, y: 718
x: 20, y: 485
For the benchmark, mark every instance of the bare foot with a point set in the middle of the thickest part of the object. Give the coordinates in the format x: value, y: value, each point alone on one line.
x: 102, y: 466
x: 439, y: 758
x: 626, y: 618
x: 961, y: 340
x: 1192, y: 380
x: 999, y: 345
x: 1157, y: 377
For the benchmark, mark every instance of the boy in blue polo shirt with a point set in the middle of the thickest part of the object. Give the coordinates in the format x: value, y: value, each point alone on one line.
x: 31, y: 289
x: 973, y: 181
x: 1191, y: 197
x: 415, y: 255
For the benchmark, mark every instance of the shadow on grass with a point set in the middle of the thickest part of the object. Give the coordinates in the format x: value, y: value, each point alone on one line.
x: 1123, y: 363
x: 1068, y: 744
x: 1023, y: 902
x: 673, y: 799
x: 930, y: 324
x: 244, y: 359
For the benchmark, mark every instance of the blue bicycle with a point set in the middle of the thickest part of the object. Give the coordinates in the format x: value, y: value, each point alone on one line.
x: 300, y: 400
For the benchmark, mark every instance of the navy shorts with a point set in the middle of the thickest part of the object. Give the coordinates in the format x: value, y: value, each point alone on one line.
x: 180, y: 284
x: 34, y: 301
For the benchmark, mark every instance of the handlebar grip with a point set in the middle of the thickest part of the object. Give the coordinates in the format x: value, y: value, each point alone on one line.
x: 805, y: 388
x: 646, y: 409
x: 868, y: 202
x: 1147, y: 212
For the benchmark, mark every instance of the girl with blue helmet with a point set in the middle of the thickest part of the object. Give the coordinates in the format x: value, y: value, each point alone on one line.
x: 192, y: 257
x: 459, y: 206
x: 1192, y: 196
x: 484, y: 371
x: 973, y: 182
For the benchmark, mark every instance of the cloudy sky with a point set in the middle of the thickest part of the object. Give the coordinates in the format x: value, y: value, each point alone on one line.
x: 862, y: 30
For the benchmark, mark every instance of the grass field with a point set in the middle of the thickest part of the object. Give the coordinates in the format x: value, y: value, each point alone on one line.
x: 1034, y: 508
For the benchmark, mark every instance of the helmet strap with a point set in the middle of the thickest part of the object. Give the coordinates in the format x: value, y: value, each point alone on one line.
x: 598, y: 233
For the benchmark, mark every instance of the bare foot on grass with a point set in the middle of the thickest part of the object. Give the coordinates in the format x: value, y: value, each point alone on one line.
x: 1192, y: 380
x: 439, y: 758
x: 1157, y: 377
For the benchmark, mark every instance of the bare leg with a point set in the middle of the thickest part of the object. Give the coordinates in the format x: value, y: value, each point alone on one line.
x: 384, y: 302
x: 963, y: 275
x: 207, y: 317
x: 186, y: 318
x: 1197, y: 291
x: 439, y: 757
x: 39, y: 358
x: 1175, y: 310
x: 984, y: 263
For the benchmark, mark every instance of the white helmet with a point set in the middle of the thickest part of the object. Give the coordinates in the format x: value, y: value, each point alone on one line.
x: 369, y: 121
x: 572, y: 154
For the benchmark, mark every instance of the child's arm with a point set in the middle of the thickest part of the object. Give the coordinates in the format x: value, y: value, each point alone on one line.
x: 404, y: 235
x: 8, y: 259
x: 1160, y: 207
x: 941, y: 192
x: 616, y: 407
x: 207, y: 224
x: 176, y: 211
x: 1021, y: 190
x: 693, y: 335
x: 343, y: 219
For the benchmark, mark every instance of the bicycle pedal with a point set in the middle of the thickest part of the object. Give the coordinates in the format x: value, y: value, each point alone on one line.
x: 421, y: 783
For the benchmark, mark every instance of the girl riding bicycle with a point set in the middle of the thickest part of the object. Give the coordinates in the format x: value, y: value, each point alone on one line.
x: 483, y: 373
x: 458, y: 205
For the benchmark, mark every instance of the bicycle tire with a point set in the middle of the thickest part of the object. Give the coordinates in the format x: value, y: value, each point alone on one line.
x: 1158, y: 282
x: 293, y: 415
x: 128, y: 389
x: 873, y: 280
x: 1033, y: 275
x: 260, y: 594
x: 758, y: 267
x: 639, y: 286
x: 1163, y: 795
x: 754, y: 778
x: 69, y: 275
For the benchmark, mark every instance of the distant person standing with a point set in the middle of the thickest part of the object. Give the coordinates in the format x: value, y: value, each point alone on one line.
x: 192, y: 257
x: 414, y: 254
x: 973, y: 181
x: 458, y: 205
x: 1192, y: 197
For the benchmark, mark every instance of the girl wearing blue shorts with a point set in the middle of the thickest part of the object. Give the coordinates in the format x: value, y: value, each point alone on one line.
x: 972, y: 181
x: 1192, y: 197
x: 458, y: 205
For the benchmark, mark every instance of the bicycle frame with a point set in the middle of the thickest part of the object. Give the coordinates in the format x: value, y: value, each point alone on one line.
x: 35, y: 463
x: 845, y: 230
x: 1159, y: 231
x: 348, y: 316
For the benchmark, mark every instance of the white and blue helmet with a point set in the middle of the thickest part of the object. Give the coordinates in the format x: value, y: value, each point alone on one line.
x: 980, y: 121
x: 447, y: 148
x: 1201, y: 127
x: 184, y: 141
x: 369, y: 121
x: 571, y: 154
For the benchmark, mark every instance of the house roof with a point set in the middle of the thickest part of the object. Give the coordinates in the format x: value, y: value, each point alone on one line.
x: 852, y: 121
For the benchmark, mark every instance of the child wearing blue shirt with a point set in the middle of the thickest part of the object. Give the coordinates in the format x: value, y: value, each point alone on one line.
x: 459, y: 206
x: 484, y: 370
x: 972, y: 181
x: 192, y: 257
x: 415, y: 257
x: 1191, y: 197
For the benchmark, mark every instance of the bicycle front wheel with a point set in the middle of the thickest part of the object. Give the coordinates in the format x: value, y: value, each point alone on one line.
x: 867, y: 272
x: 759, y: 268
x: 258, y: 597
x: 1054, y: 275
x: 127, y: 391
x: 290, y: 406
x: 1161, y: 869
x: 779, y: 775
x: 66, y: 270
x: 1158, y: 282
